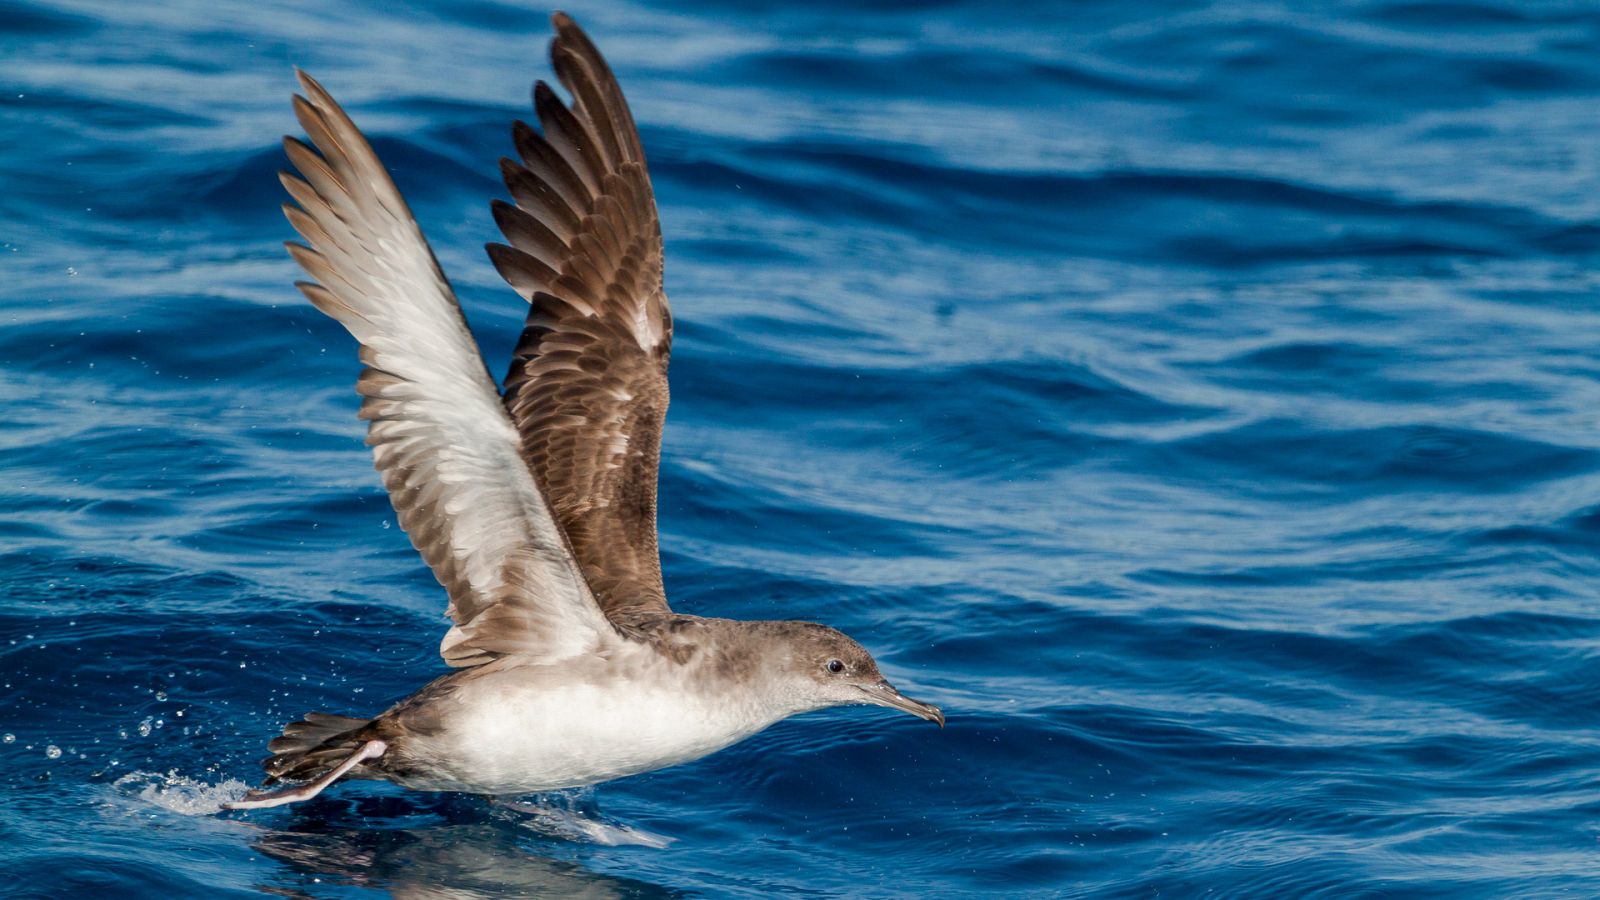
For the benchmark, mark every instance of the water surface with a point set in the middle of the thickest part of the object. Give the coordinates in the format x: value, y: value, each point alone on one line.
x: 1198, y: 402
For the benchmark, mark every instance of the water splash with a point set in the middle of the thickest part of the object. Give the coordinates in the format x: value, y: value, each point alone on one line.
x: 179, y: 793
x: 569, y: 816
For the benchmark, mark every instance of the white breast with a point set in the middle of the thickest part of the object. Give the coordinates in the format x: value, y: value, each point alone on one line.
x: 542, y: 731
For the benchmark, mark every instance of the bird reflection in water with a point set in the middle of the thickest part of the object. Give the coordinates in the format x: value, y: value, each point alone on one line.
x: 471, y: 849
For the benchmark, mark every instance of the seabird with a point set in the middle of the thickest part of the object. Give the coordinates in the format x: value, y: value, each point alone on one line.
x: 535, y: 508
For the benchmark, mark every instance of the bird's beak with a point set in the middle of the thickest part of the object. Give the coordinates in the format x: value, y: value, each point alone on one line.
x: 884, y: 694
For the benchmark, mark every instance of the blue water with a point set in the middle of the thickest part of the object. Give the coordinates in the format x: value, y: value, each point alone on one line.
x: 1200, y: 403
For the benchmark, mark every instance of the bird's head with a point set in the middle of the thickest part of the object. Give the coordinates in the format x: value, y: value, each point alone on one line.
x: 823, y: 667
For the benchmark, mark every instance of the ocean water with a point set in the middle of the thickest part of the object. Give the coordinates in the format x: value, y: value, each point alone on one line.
x: 1199, y: 402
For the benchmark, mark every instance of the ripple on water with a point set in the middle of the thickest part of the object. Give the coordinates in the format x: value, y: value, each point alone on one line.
x: 1212, y: 438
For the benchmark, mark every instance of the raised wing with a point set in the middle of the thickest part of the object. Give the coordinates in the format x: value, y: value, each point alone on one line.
x: 439, y: 435
x: 588, y: 383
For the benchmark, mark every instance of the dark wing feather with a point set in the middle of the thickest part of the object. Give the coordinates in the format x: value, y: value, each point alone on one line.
x: 587, y: 388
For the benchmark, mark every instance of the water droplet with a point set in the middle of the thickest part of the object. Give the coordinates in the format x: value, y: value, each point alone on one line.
x: 161, y: 695
x: 53, y: 751
x: 9, y: 738
x: 144, y: 727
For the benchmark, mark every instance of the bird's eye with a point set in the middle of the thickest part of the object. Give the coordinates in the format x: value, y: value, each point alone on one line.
x: 835, y: 666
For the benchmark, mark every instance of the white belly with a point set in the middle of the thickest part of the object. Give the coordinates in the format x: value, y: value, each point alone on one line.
x: 521, y: 737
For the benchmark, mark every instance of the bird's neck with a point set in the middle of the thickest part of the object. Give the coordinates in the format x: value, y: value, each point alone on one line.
x: 741, y: 663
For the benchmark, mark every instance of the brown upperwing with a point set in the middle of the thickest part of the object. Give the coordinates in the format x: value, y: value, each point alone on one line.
x: 587, y: 388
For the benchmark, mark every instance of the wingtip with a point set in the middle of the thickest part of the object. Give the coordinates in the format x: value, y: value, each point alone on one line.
x: 316, y: 96
x: 503, y: 213
x: 561, y: 20
x: 307, y: 83
x: 303, y: 106
x: 292, y: 182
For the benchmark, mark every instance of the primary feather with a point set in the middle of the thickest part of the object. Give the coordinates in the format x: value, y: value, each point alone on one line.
x: 587, y: 388
x: 449, y: 455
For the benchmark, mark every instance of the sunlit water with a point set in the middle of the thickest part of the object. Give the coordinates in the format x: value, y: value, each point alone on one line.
x: 1199, y: 403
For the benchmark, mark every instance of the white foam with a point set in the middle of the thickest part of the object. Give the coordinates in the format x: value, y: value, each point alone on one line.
x: 179, y: 793
x: 563, y: 821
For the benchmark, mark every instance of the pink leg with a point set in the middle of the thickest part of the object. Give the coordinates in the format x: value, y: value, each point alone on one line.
x: 264, y: 799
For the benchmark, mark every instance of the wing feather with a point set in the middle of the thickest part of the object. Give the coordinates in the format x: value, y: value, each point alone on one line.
x: 449, y: 455
x: 587, y: 388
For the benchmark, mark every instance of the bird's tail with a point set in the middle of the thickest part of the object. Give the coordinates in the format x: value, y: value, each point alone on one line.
x: 312, y: 746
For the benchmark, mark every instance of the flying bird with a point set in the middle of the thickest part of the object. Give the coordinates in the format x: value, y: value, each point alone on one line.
x: 535, y: 507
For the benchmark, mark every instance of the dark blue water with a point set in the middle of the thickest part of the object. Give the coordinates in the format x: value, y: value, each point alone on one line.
x: 1200, y: 403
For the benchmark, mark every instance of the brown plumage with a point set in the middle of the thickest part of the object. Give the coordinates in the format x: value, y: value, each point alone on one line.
x: 536, y: 510
x: 588, y: 383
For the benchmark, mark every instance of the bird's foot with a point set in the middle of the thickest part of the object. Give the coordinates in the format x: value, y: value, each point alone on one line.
x: 264, y: 799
